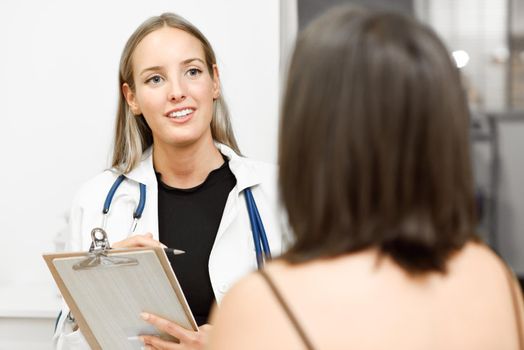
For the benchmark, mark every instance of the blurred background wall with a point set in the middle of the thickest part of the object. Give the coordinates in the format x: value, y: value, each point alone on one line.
x: 486, y: 39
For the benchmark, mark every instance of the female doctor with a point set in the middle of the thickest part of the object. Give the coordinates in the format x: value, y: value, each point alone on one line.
x: 177, y: 178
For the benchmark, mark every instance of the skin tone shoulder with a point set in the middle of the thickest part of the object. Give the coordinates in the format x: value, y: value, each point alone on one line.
x: 376, y: 291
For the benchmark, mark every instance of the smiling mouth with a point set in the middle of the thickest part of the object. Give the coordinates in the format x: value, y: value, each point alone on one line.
x: 181, y: 113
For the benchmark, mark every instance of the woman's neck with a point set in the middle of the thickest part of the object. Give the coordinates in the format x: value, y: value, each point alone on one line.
x: 187, y: 166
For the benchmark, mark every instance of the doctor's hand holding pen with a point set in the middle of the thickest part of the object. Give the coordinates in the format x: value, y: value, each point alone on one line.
x: 188, y: 339
x: 139, y: 241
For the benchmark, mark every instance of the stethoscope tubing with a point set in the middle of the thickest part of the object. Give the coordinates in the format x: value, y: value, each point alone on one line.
x: 109, y: 198
x: 257, y: 227
x: 111, y: 193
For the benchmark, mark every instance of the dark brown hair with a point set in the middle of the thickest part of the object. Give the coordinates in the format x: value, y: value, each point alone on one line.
x: 374, y: 142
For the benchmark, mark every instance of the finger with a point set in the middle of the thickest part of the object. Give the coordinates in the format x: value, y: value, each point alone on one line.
x: 130, y: 242
x: 157, y: 343
x: 205, y: 328
x: 144, y: 241
x: 147, y: 240
x: 169, y: 327
x: 138, y: 241
x: 149, y: 347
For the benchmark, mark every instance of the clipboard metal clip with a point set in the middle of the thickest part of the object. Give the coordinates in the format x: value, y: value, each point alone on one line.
x: 98, y: 258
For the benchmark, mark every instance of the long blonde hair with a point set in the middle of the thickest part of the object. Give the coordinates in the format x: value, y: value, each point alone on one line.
x: 132, y: 134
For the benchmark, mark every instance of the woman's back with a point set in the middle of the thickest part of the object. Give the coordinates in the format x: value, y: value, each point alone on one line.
x: 359, y: 302
x: 388, y: 174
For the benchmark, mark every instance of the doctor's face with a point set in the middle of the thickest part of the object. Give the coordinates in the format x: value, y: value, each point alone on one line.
x: 174, y: 90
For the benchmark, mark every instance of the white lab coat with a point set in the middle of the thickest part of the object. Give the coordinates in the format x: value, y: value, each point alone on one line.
x: 232, y: 255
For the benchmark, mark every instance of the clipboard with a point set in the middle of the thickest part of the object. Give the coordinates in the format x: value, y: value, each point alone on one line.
x: 107, y: 289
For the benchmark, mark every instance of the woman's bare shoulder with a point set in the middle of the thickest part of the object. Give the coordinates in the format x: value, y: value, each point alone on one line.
x: 477, y: 256
x: 247, y: 312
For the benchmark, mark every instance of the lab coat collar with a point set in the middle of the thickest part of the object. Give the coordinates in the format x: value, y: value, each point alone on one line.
x: 241, y: 167
x: 144, y: 172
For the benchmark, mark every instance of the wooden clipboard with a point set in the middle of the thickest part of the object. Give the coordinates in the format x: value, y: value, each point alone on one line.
x: 106, y: 301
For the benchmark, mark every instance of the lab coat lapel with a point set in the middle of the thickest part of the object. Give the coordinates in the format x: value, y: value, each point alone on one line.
x: 144, y: 173
x: 246, y: 177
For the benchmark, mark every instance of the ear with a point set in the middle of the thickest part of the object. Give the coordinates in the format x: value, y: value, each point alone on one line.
x: 216, y: 83
x: 131, y: 99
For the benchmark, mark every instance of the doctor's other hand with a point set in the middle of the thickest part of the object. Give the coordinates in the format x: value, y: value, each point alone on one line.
x: 138, y: 241
x: 188, y: 339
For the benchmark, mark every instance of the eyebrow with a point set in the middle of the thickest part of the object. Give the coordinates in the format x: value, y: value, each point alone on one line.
x: 153, y: 69
x: 184, y: 62
x: 189, y: 60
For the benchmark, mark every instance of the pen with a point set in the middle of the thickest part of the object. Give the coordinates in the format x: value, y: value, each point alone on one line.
x: 174, y: 251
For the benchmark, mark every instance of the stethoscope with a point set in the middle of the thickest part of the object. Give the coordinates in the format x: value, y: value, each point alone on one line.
x: 262, y: 250
x: 263, y: 253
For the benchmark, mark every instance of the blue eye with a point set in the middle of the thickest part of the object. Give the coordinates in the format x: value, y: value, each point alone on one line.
x: 155, y: 79
x: 193, y: 72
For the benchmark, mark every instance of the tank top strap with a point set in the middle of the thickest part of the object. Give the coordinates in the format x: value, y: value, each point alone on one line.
x: 287, y: 310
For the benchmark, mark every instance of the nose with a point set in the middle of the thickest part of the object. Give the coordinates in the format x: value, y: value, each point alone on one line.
x: 177, y: 91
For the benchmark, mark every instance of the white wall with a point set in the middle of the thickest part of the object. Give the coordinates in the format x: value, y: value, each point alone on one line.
x: 58, y: 90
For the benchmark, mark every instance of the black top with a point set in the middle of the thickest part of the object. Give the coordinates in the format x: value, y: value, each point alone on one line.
x: 188, y: 219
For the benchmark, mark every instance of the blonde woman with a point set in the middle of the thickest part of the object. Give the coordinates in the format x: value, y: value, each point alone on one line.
x: 178, y: 177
